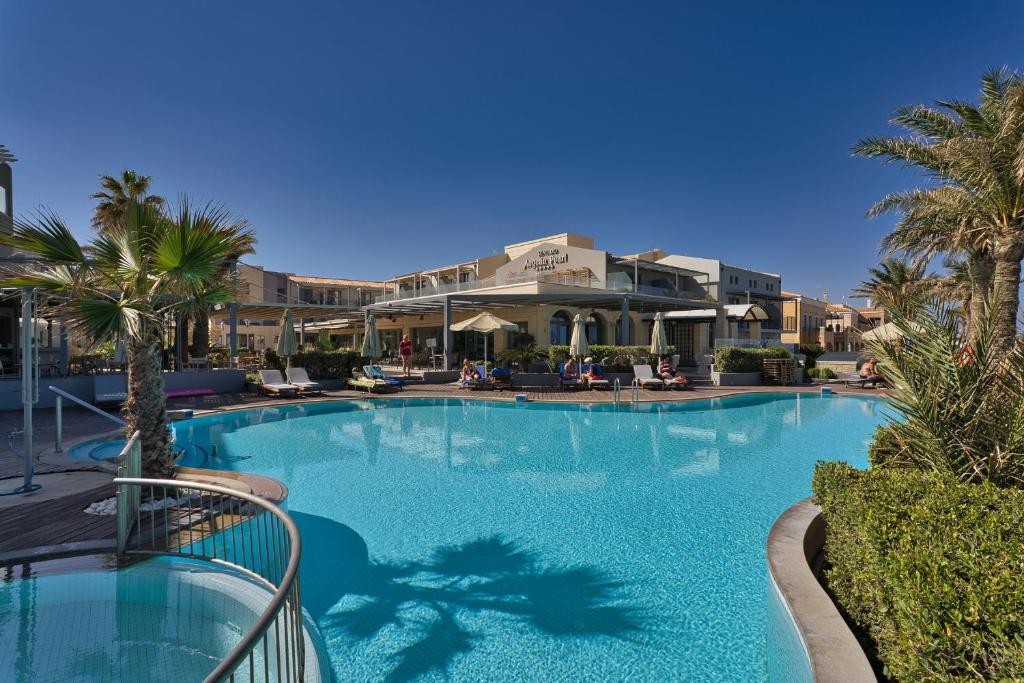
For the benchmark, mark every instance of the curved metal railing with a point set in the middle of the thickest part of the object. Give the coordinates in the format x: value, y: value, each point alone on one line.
x: 241, y: 531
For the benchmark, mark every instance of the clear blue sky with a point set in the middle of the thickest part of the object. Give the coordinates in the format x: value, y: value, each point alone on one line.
x: 374, y: 138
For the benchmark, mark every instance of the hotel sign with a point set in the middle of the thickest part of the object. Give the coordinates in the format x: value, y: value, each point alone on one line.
x: 552, y: 258
x: 546, y: 260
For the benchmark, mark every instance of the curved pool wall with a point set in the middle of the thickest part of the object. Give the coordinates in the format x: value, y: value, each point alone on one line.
x: 480, y: 540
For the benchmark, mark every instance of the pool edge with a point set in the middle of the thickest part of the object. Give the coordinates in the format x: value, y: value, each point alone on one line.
x: 835, y: 654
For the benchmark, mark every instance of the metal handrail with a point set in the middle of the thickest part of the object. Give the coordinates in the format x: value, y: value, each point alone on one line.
x: 129, y: 465
x: 59, y: 414
x: 246, y: 533
x: 635, y: 391
x: 617, y: 391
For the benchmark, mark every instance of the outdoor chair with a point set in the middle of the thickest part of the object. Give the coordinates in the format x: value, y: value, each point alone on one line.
x: 272, y: 383
x: 645, y: 376
x: 501, y: 378
x: 300, y: 378
x: 476, y: 384
x: 376, y: 372
x: 595, y: 383
x: 568, y: 382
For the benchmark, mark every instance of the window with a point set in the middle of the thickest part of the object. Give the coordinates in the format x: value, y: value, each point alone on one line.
x: 595, y: 329
x: 560, y: 328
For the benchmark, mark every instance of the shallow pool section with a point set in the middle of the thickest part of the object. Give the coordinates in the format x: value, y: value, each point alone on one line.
x: 159, y: 620
x: 476, y: 540
x: 107, y: 448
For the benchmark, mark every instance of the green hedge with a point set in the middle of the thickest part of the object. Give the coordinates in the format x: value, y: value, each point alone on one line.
x: 929, y: 569
x: 739, y: 359
x: 820, y: 373
x: 320, y: 364
x: 602, y: 351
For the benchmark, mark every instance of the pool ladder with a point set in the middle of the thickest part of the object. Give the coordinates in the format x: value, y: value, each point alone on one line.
x: 635, y: 391
x: 617, y: 391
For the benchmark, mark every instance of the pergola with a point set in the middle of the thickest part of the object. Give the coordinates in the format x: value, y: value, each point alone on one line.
x: 533, y: 294
x: 265, y: 311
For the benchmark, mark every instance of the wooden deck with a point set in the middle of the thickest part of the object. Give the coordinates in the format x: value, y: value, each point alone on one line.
x: 54, y: 522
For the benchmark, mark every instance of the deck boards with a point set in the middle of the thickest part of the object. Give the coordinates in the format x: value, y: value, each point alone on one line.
x: 56, y: 521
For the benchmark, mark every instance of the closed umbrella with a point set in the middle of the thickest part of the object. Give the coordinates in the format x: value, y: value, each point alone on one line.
x: 578, y: 345
x: 286, y: 345
x: 371, y: 343
x: 120, y: 353
x: 484, y: 323
x: 659, y: 342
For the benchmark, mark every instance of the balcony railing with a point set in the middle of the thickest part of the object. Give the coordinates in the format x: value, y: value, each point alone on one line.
x: 580, y: 278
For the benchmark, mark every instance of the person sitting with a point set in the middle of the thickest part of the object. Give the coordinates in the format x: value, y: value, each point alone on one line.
x: 469, y: 372
x: 665, y: 369
x: 570, y: 372
x: 869, y: 371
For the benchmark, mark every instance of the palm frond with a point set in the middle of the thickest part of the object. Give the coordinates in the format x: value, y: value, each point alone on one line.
x: 47, y: 237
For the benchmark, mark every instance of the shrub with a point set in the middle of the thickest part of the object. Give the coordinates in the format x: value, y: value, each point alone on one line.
x: 929, y: 568
x: 738, y: 359
x: 820, y: 373
x: 329, y: 364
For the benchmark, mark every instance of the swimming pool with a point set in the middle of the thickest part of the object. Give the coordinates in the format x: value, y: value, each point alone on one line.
x: 478, y: 540
x: 168, y: 619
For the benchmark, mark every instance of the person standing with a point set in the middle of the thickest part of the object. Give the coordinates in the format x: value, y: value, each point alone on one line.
x: 405, y: 351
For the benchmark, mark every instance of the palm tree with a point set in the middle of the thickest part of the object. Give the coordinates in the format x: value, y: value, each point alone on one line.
x: 897, y: 284
x: 115, y: 195
x: 127, y: 282
x: 975, y: 153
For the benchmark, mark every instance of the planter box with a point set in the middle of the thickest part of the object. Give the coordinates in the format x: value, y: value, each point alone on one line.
x: 440, y: 376
x: 535, y: 379
x: 736, y: 379
x: 625, y: 378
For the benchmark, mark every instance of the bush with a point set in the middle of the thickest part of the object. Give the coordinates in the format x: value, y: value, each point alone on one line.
x: 329, y: 364
x: 820, y: 373
x: 811, y: 353
x: 929, y: 568
x: 738, y: 359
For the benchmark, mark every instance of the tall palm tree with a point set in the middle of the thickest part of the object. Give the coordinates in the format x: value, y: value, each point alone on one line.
x: 127, y: 282
x: 897, y: 285
x: 115, y: 195
x: 934, y: 223
x: 976, y: 153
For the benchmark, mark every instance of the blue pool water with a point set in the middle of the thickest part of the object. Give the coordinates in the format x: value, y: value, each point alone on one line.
x: 486, y: 541
x: 159, y: 620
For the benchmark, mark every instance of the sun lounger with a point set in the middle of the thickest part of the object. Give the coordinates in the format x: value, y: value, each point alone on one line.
x: 645, y: 376
x: 272, y: 382
x: 501, y: 378
x: 475, y: 384
x: 300, y: 378
x: 375, y: 372
x: 111, y: 388
x: 370, y: 384
x: 598, y: 382
x: 853, y: 378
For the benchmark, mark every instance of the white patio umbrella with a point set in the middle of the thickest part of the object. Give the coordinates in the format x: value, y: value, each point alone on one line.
x: 578, y: 345
x: 484, y: 323
x: 888, y: 332
x: 659, y: 342
x: 371, y: 342
x: 286, y: 345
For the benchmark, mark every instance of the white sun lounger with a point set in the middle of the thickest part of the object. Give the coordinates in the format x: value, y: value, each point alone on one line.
x: 645, y: 376
x: 300, y: 378
x: 272, y: 382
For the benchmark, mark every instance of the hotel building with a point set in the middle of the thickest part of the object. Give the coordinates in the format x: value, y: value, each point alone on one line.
x: 542, y: 284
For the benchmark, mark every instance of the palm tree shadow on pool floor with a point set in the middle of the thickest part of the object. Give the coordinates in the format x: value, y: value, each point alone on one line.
x: 428, y: 602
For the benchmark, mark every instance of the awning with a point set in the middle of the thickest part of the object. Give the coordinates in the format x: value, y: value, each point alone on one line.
x: 269, y: 311
x: 735, y: 312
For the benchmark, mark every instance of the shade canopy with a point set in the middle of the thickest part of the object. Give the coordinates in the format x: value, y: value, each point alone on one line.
x: 371, y: 342
x: 578, y: 345
x: 883, y: 333
x: 484, y: 322
x: 286, y: 345
x: 659, y: 342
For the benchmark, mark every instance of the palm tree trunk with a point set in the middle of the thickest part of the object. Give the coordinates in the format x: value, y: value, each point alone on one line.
x: 145, y: 410
x: 200, y: 335
x: 980, y: 268
x: 1006, y: 293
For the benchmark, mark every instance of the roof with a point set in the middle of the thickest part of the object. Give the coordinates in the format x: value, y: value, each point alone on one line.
x: 744, y: 312
x: 838, y: 308
x: 343, y: 282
